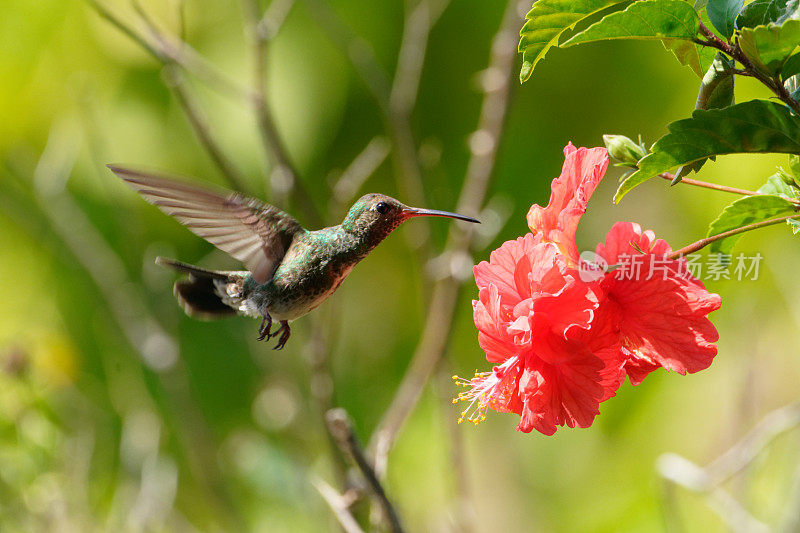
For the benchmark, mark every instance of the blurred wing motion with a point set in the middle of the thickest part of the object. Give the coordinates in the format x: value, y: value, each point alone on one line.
x: 255, y: 233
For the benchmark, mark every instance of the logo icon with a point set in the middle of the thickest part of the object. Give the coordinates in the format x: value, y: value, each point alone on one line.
x: 592, y: 267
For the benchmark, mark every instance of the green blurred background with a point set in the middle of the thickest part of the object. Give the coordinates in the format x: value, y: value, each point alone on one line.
x: 117, y: 412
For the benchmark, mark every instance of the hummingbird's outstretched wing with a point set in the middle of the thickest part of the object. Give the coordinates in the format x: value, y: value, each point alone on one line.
x: 255, y: 233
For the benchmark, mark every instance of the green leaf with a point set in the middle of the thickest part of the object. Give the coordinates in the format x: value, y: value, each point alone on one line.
x: 645, y: 19
x: 546, y: 22
x: 791, y: 67
x: 757, y: 126
x: 761, y: 12
x: 686, y: 52
x: 695, y: 56
x: 795, y: 225
x: 723, y: 13
x: 769, y: 46
x: 744, y: 211
x: 776, y: 185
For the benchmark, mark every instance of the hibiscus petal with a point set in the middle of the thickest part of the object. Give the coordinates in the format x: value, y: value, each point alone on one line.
x: 571, y: 307
x: 663, y: 308
x: 603, y: 340
x: 565, y: 394
x: 570, y: 192
x: 637, y: 367
x: 492, y: 326
x: 659, y: 324
x: 502, y: 265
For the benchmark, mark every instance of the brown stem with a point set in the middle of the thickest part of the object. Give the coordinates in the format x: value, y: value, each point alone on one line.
x: 724, y: 188
x: 342, y: 430
x: 161, y: 51
x: 702, y: 243
x: 736, y: 52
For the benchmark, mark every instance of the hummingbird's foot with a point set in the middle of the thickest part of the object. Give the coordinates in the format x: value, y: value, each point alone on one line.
x: 263, y: 329
x: 285, y: 331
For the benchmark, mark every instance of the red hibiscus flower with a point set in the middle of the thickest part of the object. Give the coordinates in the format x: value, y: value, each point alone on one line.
x: 662, y: 309
x: 533, y: 315
x: 563, y: 344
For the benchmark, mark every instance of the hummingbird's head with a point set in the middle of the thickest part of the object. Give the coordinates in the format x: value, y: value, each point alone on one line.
x: 374, y: 216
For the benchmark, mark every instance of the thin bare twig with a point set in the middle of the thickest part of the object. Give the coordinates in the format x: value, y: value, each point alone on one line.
x: 396, y: 98
x: 170, y: 51
x: 680, y: 471
x: 338, y: 505
x: 417, y: 27
x: 165, y: 49
x: 193, y: 112
x: 284, y: 179
x: 438, y: 326
x: 413, y: 46
x: 356, y: 49
x: 360, y: 169
x: 321, y: 385
x: 274, y: 17
x: 465, y: 517
x: 342, y: 430
x: 743, y: 452
x: 708, y: 480
x: 174, y: 81
x: 200, y: 126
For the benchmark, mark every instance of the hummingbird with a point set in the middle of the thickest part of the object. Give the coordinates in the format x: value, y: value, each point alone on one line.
x: 290, y: 270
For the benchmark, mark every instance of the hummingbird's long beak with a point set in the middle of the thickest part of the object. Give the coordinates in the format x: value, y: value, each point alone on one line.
x: 416, y: 212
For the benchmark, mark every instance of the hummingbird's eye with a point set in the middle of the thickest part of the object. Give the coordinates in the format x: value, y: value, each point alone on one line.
x: 382, y: 207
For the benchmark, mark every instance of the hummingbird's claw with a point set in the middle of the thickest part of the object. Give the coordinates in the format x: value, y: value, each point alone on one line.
x: 263, y: 329
x: 285, y: 332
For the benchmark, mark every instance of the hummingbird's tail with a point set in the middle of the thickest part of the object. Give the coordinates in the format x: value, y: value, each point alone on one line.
x: 199, y: 294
